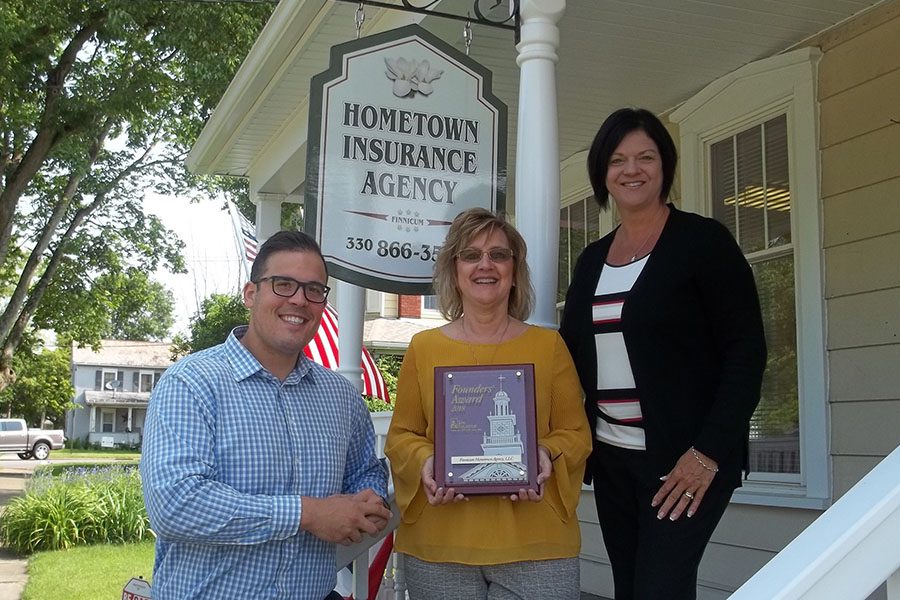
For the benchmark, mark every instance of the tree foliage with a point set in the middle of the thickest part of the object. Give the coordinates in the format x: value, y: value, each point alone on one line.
x: 218, y: 315
x: 43, y: 388
x: 100, y: 100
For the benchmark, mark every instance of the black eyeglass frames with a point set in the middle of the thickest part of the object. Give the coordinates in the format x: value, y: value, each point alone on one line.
x: 286, y: 287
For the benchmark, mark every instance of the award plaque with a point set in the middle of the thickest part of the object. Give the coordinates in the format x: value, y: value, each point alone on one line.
x: 485, y: 437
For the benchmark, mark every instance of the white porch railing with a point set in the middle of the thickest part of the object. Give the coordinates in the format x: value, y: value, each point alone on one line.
x: 392, y: 584
x: 850, y: 550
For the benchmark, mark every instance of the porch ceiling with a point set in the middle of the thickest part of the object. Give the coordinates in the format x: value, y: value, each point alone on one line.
x: 613, y: 53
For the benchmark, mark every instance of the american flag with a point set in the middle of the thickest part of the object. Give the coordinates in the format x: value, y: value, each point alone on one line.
x: 248, y: 236
x: 323, y: 348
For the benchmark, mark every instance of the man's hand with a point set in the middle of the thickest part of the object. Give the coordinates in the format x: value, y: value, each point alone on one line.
x: 369, y: 495
x: 343, y: 519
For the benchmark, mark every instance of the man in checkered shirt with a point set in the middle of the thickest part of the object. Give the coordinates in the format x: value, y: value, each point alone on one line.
x: 257, y: 461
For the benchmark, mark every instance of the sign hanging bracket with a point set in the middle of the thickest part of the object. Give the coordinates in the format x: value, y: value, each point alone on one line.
x: 359, y: 18
x: 510, y: 23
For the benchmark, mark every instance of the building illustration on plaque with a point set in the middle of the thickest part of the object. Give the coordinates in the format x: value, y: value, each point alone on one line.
x: 503, y: 440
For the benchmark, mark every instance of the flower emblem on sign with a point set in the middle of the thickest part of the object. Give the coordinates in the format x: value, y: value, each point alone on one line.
x: 411, y: 76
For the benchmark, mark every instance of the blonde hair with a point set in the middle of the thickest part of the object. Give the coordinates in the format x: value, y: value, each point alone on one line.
x: 467, y: 226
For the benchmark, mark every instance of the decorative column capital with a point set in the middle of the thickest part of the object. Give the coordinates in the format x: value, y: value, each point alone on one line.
x: 539, y: 35
x: 550, y: 10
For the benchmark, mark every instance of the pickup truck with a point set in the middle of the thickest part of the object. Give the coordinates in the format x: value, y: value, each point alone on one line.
x: 15, y: 436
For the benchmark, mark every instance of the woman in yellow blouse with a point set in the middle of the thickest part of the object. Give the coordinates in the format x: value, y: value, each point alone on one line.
x: 522, y: 545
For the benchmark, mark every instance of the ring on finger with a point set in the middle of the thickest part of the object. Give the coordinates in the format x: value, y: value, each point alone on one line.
x: 688, y: 495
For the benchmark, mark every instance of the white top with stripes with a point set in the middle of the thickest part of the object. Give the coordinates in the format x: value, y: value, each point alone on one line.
x: 613, y: 367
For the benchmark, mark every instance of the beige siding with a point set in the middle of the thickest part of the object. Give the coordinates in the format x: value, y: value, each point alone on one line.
x: 863, y: 266
x: 871, y: 373
x: 856, y: 56
x: 850, y: 469
x: 848, y: 216
x: 858, y: 320
x: 848, y: 121
x: 869, y: 428
x: 861, y: 161
x: 859, y: 84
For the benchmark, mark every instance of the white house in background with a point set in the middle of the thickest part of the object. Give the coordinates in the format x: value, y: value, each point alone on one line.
x: 112, y: 388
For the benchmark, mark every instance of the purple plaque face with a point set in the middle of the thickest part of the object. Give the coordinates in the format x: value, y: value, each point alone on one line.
x: 485, y: 437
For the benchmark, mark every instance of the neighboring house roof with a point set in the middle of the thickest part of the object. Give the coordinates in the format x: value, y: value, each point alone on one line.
x: 125, y: 353
x: 394, y: 334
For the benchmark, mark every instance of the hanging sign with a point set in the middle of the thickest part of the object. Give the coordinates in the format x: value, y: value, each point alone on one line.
x: 404, y: 134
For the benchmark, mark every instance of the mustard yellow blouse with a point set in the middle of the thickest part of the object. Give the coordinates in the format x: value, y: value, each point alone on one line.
x: 490, y: 529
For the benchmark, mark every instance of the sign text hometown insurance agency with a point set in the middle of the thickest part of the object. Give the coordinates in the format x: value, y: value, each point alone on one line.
x: 404, y: 134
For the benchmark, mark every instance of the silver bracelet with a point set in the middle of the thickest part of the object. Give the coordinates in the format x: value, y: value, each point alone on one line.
x: 703, y: 464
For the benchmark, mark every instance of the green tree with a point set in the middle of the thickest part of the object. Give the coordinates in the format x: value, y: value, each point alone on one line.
x: 389, y: 365
x: 142, y: 308
x: 100, y: 100
x: 43, y: 388
x: 218, y: 315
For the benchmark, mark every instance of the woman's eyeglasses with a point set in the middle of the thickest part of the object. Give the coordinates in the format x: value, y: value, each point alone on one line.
x: 473, y: 255
x: 286, y: 287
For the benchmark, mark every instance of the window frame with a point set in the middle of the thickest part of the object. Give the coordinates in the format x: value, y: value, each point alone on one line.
x: 103, y: 413
x: 752, y: 94
x: 104, y: 372
x: 141, y: 374
x: 576, y: 188
x: 426, y: 312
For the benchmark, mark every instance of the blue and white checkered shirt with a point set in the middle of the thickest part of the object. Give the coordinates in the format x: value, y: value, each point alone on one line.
x: 228, y: 451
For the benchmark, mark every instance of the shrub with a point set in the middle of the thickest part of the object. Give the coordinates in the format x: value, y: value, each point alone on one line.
x: 76, y: 443
x: 80, y: 506
x: 377, y: 404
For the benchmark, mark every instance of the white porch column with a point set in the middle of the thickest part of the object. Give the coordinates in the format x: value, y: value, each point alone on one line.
x: 537, y: 151
x: 351, y: 307
x: 130, y: 411
x: 268, y: 215
x: 93, y: 424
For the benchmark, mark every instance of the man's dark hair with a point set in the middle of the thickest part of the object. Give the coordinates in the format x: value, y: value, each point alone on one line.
x: 612, y: 132
x: 284, y: 241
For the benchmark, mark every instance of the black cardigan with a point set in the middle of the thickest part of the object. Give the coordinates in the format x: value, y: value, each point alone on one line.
x: 694, y: 335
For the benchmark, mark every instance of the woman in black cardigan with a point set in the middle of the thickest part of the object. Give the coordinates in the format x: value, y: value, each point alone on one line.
x: 663, y: 321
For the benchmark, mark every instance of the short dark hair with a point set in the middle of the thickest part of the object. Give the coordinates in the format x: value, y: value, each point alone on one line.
x: 467, y: 226
x: 610, y: 135
x: 284, y: 241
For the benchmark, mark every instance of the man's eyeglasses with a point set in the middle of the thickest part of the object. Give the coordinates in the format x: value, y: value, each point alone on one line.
x: 473, y: 255
x: 286, y: 287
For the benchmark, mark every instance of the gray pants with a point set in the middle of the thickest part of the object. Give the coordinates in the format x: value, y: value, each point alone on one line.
x: 526, y: 580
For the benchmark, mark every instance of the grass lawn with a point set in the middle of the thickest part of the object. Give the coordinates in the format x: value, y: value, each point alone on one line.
x: 111, y: 454
x: 87, y: 572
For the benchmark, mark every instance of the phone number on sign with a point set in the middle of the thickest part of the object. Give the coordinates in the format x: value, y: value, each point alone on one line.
x: 405, y: 250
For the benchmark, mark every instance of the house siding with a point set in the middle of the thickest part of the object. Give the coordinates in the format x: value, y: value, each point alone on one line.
x: 859, y: 84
